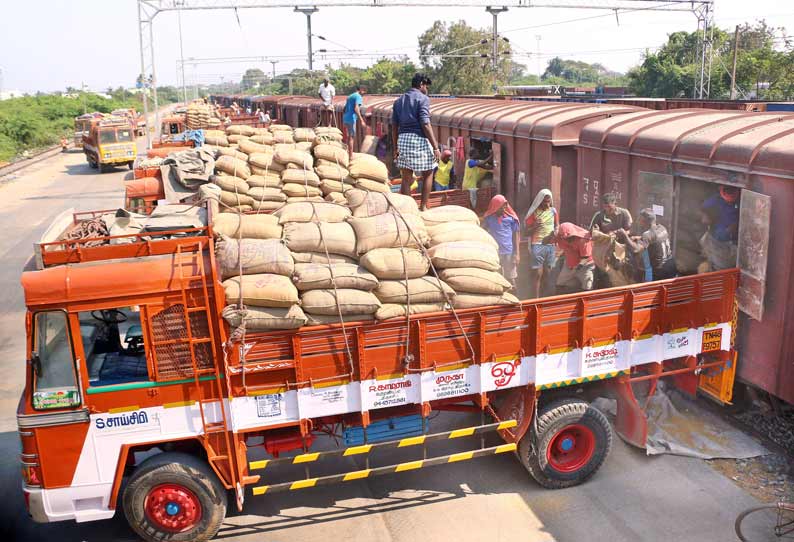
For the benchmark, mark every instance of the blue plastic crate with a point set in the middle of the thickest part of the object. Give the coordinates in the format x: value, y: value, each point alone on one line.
x: 388, y: 429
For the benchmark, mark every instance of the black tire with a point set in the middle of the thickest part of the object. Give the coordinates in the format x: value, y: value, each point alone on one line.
x: 764, y: 521
x: 131, y: 165
x: 92, y: 163
x: 164, y: 476
x: 573, y: 440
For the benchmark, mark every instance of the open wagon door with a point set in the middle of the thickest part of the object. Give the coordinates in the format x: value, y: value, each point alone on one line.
x: 496, y: 148
x: 655, y: 191
x: 755, y: 212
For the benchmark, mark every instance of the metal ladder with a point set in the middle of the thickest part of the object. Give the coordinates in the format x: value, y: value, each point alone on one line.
x: 215, y: 435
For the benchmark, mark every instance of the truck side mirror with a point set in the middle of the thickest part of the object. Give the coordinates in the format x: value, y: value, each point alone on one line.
x: 35, y: 361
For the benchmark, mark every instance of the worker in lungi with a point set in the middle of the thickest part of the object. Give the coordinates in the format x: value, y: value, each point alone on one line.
x: 651, y: 248
x: 720, y: 213
x: 502, y: 223
x: 542, y: 221
x: 576, y: 270
x: 415, y: 146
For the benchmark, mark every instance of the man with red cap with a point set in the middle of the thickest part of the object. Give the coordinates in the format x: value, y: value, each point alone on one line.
x: 445, y: 172
x: 502, y: 223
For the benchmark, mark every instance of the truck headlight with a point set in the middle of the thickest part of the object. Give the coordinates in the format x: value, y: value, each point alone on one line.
x: 106, y: 155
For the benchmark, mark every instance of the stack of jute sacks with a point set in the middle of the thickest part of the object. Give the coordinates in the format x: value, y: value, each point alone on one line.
x: 331, y: 283
x: 390, y: 236
x: 369, y: 173
x: 256, y: 267
x: 198, y: 115
x: 466, y: 257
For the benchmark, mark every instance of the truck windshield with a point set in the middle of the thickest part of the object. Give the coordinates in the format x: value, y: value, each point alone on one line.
x: 107, y: 136
x: 53, y: 363
x: 124, y: 136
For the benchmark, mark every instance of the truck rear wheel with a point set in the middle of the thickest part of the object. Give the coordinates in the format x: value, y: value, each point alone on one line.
x: 174, y: 497
x: 571, y: 443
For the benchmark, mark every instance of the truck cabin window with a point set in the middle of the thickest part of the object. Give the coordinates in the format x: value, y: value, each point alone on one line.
x: 107, y: 136
x: 53, y: 363
x: 124, y: 136
x: 113, y: 346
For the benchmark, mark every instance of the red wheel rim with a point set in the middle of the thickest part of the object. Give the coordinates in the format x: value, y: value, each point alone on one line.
x: 172, y: 508
x: 571, y: 448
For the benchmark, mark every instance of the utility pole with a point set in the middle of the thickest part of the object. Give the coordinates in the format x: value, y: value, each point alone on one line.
x: 181, y: 49
x: 735, y: 54
x: 537, y: 39
x: 273, y: 62
x: 494, y: 41
x: 308, y: 12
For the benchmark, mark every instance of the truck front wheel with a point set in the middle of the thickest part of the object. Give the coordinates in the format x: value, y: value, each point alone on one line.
x: 570, y: 444
x: 174, y: 497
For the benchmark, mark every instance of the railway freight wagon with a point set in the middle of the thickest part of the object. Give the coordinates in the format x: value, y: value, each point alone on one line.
x: 673, y: 160
x: 533, y: 143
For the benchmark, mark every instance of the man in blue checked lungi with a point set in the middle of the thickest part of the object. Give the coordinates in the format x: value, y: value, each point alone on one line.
x: 415, y: 147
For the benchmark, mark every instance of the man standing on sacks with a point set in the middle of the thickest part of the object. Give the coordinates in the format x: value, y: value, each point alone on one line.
x: 415, y: 146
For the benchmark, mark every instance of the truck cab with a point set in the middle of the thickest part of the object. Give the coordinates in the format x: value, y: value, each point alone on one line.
x: 110, y: 142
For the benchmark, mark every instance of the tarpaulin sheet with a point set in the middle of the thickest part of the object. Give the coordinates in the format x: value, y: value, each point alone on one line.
x: 680, y: 426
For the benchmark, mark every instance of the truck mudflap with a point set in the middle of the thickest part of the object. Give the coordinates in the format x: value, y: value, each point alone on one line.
x: 366, y: 449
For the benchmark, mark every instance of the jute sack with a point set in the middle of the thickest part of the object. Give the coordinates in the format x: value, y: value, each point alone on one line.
x: 332, y: 153
x: 394, y: 310
x: 331, y: 171
x: 320, y: 257
x: 293, y: 190
x: 300, y: 199
x: 263, y: 160
x: 373, y: 186
x: 316, y: 276
x: 293, y: 156
x: 324, y: 319
x: 240, y: 129
x: 335, y: 197
x: 468, y: 301
x: 419, y: 290
x: 240, y: 208
x: 283, y: 136
x: 331, y: 302
x: 259, y: 193
x: 365, y: 204
x: 328, y: 130
x: 337, y: 238
x: 235, y: 139
x: 333, y: 140
x: 459, y: 231
x: 283, y: 147
x: 267, y: 206
x: 234, y: 153
x: 218, y: 141
x: 465, y: 254
x: 255, y: 255
x: 394, y: 263
x: 304, y: 146
x: 230, y: 199
x: 312, y: 212
x: 449, y: 213
x: 329, y: 186
x: 263, y: 139
x: 369, y: 169
x: 388, y: 231
x: 264, y: 318
x: 264, y: 290
x: 271, y: 180
x: 475, y: 281
x: 247, y: 226
x: 300, y: 176
x: 214, y: 133
x: 275, y: 168
x: 303, y: 134
x: 233, y: 166
x: 230, y: 183
x: 280, y: 127
x: 364, y: 157
x: 249, y: 147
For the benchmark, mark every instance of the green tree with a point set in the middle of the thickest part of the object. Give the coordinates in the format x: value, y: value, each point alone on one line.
x: 252, y: 78
x: 389, y: 76
x: 457, y: 58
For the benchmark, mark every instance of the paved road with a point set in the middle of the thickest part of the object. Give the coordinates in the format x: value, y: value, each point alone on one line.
x: 633, y: 498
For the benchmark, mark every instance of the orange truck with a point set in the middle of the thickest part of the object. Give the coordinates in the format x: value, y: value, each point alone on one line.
x: 138, y: 396
x: 110, y: 141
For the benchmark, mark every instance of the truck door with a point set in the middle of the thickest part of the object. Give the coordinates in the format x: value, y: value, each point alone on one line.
x: 496, y: 149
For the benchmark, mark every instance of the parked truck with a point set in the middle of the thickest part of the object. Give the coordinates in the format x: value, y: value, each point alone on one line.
x: 132, y: 375
x: 110, y: 141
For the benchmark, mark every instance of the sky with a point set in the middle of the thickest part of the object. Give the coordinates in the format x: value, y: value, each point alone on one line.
x: 47, y: 45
